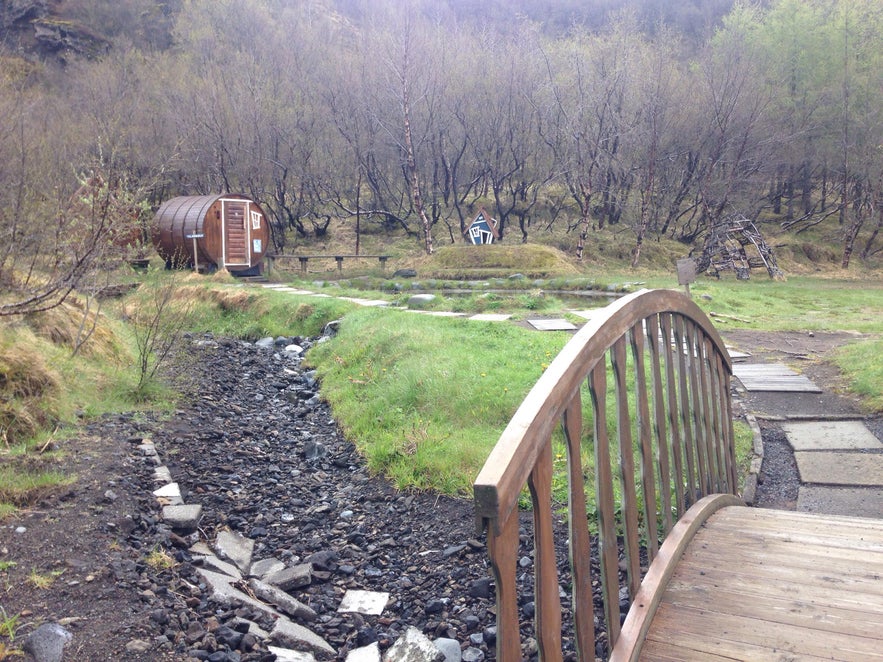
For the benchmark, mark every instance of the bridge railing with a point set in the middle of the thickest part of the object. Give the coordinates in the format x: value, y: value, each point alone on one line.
x: 657, y: 422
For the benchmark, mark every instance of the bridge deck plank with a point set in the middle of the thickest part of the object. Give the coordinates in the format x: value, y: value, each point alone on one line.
x: 763, y: 584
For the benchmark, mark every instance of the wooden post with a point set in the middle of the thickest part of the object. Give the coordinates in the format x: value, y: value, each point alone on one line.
x: 194, y: 237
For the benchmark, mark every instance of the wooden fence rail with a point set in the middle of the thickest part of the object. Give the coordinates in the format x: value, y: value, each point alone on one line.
x: 658, y: 420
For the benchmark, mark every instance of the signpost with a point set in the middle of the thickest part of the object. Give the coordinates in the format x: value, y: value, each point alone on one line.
x: 686, y: 273
x: 194, y: 237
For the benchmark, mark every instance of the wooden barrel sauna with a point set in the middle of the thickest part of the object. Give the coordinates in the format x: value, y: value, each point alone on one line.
x: 210, y: 232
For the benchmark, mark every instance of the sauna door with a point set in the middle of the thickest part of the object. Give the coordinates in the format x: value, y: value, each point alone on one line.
x: 235, y: 214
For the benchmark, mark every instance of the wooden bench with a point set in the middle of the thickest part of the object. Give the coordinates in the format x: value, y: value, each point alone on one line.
x: 304, y: 260
x: 724, y: 581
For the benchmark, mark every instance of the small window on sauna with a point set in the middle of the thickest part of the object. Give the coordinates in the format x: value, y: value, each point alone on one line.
x: 255, y: 220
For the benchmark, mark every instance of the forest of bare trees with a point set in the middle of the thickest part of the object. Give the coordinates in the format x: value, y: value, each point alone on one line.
x: 408, y: 115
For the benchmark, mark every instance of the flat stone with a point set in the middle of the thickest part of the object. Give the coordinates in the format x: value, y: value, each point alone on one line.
x: 833, y: 468
x: 169, y: 495
x: 830, y: 435
x: 282, y: 600
x: 551, y: 325
x: 182, y: 518
x: 291, y: 578
x: 364, y: 602
x: 490, y: 317
x: 286, y: 633
x: 288, y: 655
x: 235, y: 547
x: 212, y: 562
x: 148, y: 449
x: 266, y: 567
x: 413, y: 646
x: 369, y: 653
x: 162, y: 474
x: 224, y: 593
x: 849, y: 501
x: 438, y: 313
x: 368, y: 303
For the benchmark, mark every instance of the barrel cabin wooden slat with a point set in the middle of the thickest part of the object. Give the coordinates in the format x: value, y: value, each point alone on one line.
x: 209, y: 232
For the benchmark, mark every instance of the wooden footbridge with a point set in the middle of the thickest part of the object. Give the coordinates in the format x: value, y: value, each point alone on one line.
x: 703, y: 576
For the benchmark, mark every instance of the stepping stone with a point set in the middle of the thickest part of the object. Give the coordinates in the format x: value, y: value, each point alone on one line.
x: 490, y: 317
x: 840, y: 468
x: 831, y: 436
x: 772, y: 377
x: 552, y: 325
x: 368, y: 303
x: 850, y: 501
x: 736, y: 354
x: 436, y: 313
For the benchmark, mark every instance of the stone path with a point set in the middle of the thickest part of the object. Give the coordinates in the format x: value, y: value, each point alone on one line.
x: 840, y: 462
x: 419, y: 300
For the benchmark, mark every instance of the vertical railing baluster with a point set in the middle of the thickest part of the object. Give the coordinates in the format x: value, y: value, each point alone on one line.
x: 674, y: 423
x: 608, y: 550
x: 502, y: 546
x: 548, y: 602
x: 626, y: 466
x: 696, y: 411
x: 720, y: 467
x: 682, y: 347
x: 659, y: 431
x: 580, y: 542
x: 727, y: 426
x: 642, y: 408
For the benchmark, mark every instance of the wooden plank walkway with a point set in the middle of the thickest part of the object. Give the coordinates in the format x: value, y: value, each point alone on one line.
x: 772, y: 377
x: 756, y: 584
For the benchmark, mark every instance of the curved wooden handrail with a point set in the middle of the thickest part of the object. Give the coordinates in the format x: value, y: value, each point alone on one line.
x: 673, y: 443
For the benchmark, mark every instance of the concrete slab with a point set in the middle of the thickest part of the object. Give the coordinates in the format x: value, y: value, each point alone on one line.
x: 490, y: 317
x: 849, y: 501
x: 551, y: 325
x: 840, y: 468
x: 772, y: 377
x: 830, y: 436
x: 236, y: 548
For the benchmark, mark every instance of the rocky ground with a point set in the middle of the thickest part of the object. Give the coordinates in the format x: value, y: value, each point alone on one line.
x: 254, y: 445
x: 257, y: 448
